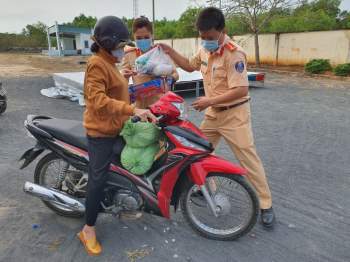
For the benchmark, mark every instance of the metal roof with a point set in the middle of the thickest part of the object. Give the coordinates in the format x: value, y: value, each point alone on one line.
x: 66, y: 29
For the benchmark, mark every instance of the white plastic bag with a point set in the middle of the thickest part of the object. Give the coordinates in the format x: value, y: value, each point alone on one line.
x: 155, y: 62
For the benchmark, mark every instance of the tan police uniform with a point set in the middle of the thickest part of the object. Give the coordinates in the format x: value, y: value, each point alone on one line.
x: 222, y: 71
x: 131, y: 54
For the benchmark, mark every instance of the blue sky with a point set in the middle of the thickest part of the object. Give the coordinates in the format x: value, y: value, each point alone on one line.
x: 16, y: 14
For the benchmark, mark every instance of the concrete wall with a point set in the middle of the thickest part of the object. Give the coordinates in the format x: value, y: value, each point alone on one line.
x: 81, y: 43
x: 186, y: 46
x: 285, y: 49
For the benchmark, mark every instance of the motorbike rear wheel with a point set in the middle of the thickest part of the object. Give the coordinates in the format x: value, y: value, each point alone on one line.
x: 42, y: 175
x: 234, y: 197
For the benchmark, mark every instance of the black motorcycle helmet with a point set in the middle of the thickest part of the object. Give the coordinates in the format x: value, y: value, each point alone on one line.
x: 110, y: 32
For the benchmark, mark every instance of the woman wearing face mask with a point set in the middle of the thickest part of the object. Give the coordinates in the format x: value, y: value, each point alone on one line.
x: 107, y: 108
x: 143, y: 34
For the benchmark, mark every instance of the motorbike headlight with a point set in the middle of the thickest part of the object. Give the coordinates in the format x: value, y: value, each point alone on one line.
x: 188, y: 143
x: 182, y: 109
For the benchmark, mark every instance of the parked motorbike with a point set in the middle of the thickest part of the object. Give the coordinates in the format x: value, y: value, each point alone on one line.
x: 3, y: 99
x: 213, y: 194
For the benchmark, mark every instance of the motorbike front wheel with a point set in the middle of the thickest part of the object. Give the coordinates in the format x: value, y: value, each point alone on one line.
x: 235, y: 201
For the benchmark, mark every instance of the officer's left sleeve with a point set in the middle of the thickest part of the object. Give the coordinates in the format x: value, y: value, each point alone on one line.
x: 236, y: 68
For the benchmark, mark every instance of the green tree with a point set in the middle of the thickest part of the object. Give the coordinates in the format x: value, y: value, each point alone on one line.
x: 308, y: 16
x: 37, y: 33
x: 186, y: 25
x: 235, y: 26
x: 83, y: 21
x: 330, y: 7
x: 344, y: 20
x: 254, y: 13
x: 165, y: 29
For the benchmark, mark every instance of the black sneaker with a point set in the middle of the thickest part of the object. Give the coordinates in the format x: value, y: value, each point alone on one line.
x: 268, y: 218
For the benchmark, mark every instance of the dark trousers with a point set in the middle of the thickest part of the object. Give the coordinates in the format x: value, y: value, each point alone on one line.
x: 100, y: 157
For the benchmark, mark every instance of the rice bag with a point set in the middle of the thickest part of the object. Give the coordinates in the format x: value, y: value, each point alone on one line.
x: 140, y: 134
x: 139, y: 160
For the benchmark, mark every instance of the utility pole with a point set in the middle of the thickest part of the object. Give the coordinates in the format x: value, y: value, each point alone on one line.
x: 135, y: 8
x: 153, y: 19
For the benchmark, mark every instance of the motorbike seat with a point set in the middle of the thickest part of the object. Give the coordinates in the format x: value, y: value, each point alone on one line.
x: 70, y: 131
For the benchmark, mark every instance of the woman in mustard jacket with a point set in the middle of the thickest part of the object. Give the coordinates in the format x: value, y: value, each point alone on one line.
x: 107, y: 108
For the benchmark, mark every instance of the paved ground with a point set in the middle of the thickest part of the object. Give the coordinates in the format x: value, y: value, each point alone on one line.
x: 302, y: 133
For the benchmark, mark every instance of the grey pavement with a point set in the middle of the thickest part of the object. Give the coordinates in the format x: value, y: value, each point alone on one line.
x: 302, y: 132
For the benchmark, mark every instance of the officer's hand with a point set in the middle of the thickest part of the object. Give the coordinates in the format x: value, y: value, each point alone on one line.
x: 145, y: 115
x: 166, y: 48
x: 202, y: 103
x: 128, y: 73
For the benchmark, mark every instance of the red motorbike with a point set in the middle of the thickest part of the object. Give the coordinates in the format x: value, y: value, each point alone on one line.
x: 214, y: 196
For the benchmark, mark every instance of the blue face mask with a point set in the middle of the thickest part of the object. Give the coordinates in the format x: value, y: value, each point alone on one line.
x: 118, y: 53
x: 211, y: 45
x: 144, y: 44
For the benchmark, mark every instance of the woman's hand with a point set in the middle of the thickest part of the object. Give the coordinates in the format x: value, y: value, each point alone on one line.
x: 145, y: 115
x: 128, y: 73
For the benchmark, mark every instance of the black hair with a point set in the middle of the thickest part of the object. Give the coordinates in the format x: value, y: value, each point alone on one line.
x: 210, y: 18
x: 141, y: 22
x: 94, y: 48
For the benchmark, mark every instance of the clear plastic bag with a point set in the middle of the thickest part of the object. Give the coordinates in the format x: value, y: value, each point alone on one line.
x: 155, y: 62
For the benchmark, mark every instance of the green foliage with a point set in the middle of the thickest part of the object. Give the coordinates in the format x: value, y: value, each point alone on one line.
x: 318, y: 66
x: 165, y: 29
x: 342, y: 70
x: 186, y: 25
x: 344, y: 20
x: 83, y: 21
x: 330, y: 7
x: 318, y: 15
x: 128, y: 23
x: 32, y: 36
x: 307, y: 21
x: 236, y: 26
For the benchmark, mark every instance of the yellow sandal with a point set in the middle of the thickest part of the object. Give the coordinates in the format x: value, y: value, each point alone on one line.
x: 92, y: 247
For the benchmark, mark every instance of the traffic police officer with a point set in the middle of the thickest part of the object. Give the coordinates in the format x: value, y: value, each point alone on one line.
x: 223, y: 64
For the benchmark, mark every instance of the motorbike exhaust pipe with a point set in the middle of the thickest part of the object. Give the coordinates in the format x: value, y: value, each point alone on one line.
x: 54, y: 196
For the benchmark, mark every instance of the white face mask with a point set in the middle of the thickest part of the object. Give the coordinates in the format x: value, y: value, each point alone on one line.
x: 118, y: 53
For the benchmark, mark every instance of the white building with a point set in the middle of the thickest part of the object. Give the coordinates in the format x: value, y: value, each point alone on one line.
x: 70, y: 40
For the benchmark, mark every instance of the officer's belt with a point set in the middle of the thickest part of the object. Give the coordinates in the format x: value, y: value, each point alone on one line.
x: 223, y: 108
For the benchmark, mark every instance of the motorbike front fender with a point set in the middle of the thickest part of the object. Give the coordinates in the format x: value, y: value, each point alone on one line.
x: 199, y: 170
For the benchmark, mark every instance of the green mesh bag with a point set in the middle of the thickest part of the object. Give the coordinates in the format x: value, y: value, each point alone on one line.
x: 139, y: 160
x: 140, y: 134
